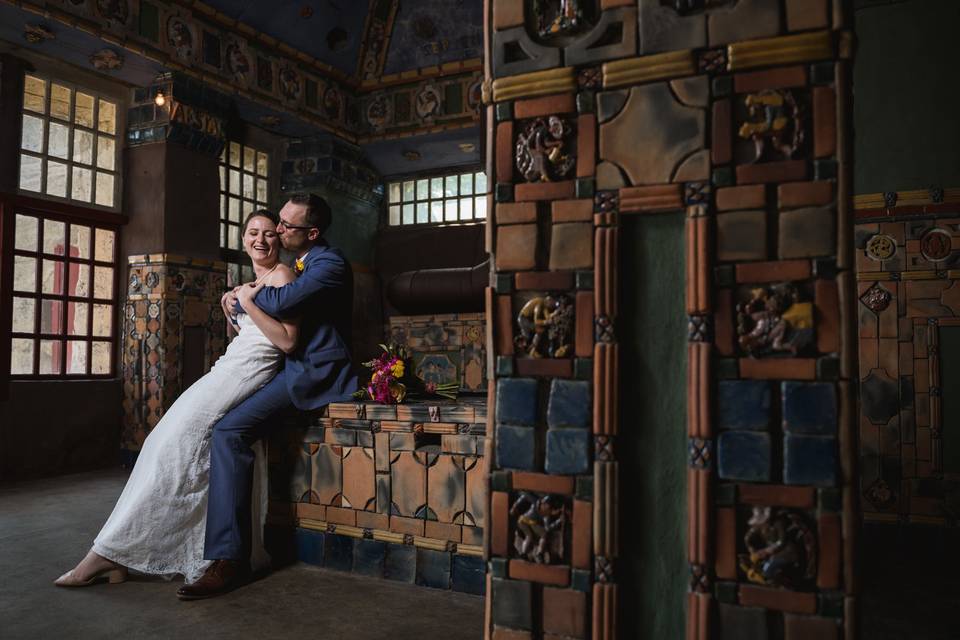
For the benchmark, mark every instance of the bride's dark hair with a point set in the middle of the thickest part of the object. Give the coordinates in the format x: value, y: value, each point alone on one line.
x: 262, y: 213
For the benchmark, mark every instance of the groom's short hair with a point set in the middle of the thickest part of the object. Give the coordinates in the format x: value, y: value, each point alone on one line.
x: 318, y: 212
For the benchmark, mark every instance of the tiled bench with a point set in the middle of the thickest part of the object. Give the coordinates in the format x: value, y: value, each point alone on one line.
x: 393, y: 491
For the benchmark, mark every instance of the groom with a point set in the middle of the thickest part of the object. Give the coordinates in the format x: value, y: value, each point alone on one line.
x: 317, y: 373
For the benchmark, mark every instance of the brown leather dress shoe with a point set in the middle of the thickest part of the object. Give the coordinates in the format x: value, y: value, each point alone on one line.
x: 220, y: 577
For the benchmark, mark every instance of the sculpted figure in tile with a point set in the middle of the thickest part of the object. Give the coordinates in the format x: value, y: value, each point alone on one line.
x: 540, y: 528
x: 774, y: 320
x: 543, y: 152
x: 775, y: 124
x: 781, y: 548
x: 546, y: 327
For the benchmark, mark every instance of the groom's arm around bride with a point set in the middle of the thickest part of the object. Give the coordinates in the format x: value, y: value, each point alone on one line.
x: 316, y: 373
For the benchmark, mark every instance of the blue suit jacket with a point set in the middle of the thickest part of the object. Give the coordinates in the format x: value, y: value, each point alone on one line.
x: 319, y: 371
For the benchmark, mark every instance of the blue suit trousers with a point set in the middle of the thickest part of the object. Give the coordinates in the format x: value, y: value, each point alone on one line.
x: 231, y: 469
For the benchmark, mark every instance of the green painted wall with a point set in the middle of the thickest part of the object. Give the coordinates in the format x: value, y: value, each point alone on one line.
x: 652, y: 441
x: 906, y: 129
x: 354, y: 225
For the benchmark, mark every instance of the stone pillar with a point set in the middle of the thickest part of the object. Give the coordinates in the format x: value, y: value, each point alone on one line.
x: 173, y: 329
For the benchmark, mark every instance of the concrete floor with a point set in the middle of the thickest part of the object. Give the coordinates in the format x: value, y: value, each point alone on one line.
x: 46, y: 526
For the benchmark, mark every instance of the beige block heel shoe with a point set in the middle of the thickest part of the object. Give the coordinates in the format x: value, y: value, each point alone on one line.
x: 114, y: 575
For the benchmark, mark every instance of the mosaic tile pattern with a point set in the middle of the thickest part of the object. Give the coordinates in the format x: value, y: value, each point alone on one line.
x: 396, y: 491
x: 165, y: 293
x: 446, y: 348
x: 907, y: 257
x: 734, y: 112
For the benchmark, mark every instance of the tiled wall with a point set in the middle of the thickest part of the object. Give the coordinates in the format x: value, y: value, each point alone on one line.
x: 165, y: 293
x: 394, y: 491
x: 908, y: 293
x: 734, y: 113
x: 445, y: 348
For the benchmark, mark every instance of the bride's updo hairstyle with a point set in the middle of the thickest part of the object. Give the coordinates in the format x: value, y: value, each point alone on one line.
x: 261, y: 213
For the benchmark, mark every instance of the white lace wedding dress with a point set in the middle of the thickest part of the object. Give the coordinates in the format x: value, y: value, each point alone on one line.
x: 157, y: 526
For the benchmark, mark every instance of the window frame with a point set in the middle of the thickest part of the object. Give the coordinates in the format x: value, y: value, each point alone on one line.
x: 10, y: 206
x: 98, y: 93
x: 442, y: 172
x: 230, y: 256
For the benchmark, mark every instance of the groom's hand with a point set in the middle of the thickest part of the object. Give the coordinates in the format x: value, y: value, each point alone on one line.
x: 246, y: 293
x: 229, y: 300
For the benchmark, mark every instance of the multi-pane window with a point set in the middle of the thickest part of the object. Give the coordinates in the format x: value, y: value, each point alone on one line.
x: 443, y: 199
x: 243, y: 189
x: 63, y: 298
x: 68, y: 143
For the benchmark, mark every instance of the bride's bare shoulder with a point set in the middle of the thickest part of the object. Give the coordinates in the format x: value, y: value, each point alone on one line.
x: 281, y: 276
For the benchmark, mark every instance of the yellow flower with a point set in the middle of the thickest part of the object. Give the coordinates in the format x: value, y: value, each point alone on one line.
x: 299, y: 265
x: 397, y: 369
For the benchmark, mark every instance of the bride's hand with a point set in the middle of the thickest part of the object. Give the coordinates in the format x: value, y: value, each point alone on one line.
x: 247, y: 293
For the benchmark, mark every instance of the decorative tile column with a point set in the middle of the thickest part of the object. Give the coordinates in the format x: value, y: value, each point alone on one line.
x: 736, y: 114
x: 172, y: 304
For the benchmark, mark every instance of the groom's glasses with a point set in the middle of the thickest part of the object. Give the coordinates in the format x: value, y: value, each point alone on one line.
x: 287, y: 225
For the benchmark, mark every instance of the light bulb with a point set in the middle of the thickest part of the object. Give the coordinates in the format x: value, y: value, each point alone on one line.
x: 160, y: 99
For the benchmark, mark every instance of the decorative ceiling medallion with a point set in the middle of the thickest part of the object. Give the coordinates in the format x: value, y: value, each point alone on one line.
x: 412, y: 155
x: 106, y: 60
x: 118, y: 10
x: 289, y: 83
x: 881, y: 247
x: 876, y: 298
x: 238, y: 62
x: 37, y: 33
x: 378, y: 112
x: 475, y: 95
x: 467, y: 147
x: 180, y: 37
x: 269, y: 121
x: 935, y: 244
x: 428, y: 101
x: 332, y: 102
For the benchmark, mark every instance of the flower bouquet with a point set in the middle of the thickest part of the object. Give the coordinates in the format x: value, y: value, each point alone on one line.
x: 392, y: 379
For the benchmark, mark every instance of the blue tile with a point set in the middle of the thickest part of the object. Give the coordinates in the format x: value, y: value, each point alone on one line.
x: 468, y: 574
x: 743, y: 404
x: 310, y: 546
x: 368, y: 557
x: 516, y: 447
x: 338, y: 552
x: 580, y: 580
x: 744, y: 455
x: 810, y: 460
x: 568, y: 451
x: 433, y: 568
x: 809, y: 407
x: 569, y: 404
x: 512, y: 603
x: 401, y: 563
x: 517, y: 401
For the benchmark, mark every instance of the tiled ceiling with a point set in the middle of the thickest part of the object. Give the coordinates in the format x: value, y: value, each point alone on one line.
x: 329, y: 30
x: 432, y: 32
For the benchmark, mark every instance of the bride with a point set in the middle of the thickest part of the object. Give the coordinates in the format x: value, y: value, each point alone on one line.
x: 157, y: 526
